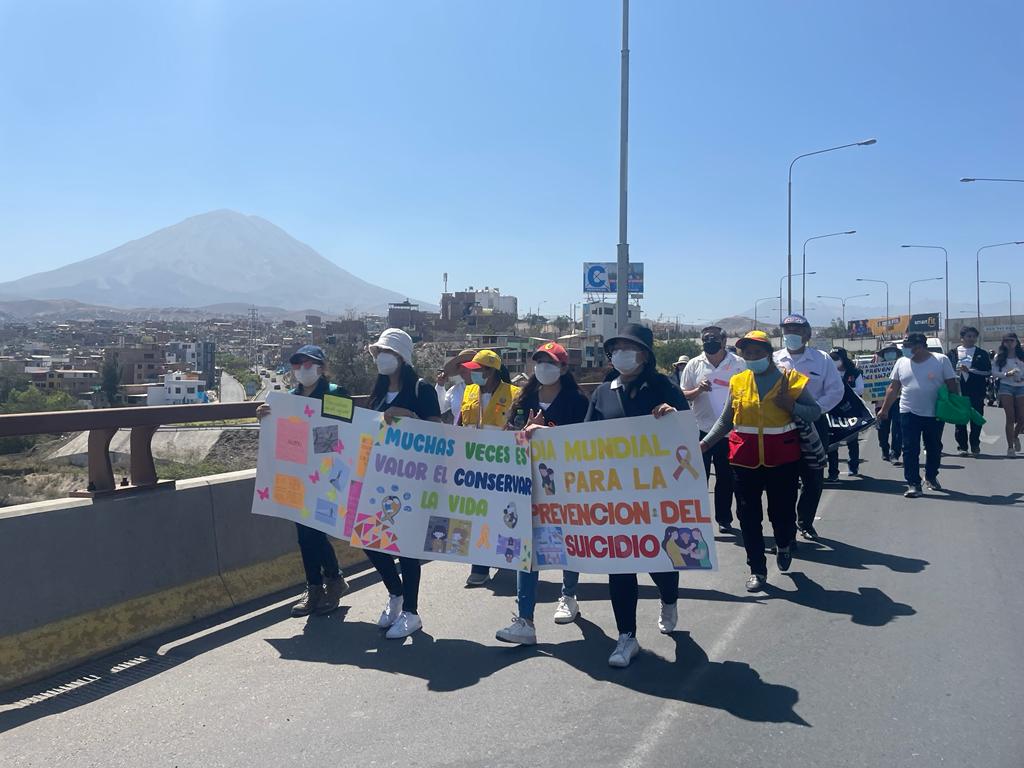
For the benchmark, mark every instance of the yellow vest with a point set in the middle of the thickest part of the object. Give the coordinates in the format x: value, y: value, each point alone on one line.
x: 496, y: 412
x: 763, y: 434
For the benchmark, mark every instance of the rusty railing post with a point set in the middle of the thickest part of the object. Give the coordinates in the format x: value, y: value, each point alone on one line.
x: 142, y: 468
x: 101, y: 474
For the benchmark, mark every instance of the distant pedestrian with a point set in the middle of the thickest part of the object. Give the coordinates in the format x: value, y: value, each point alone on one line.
x: 1009, y: 373
x: 916, y: 380
x: 854, y: 379
x: 456, y: 368
x: 764, y: 449
x: 890, y: 428
x: 635, y: 388
x: 325, y: 583
x: 973, y: 367
x: 399, y: 393
x: 677, y: 369
x: 705, y: 383
x: 440, y: 379
x: 825, y: 385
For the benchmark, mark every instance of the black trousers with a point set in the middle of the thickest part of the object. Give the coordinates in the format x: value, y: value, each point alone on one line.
x: 780, y: 485
x: 625, y: 593
x: 891, y: 426
x: 318, y: 558
x: 978, y: 404
x: 407, y: 584
x: 725, y: 483
x: 812, y: 482
x: 853, y: 463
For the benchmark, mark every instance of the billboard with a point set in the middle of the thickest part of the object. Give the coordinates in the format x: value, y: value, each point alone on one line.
x: 898, y: 325
x: 602, y: 277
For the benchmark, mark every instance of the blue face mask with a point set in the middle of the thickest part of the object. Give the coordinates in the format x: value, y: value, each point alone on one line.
x: 793, y: 341
x: 478, y: 378
x: 757, y: 366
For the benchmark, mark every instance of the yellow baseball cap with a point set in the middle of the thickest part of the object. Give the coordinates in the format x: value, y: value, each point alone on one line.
x: 759, y: 337
x: 485, y: 358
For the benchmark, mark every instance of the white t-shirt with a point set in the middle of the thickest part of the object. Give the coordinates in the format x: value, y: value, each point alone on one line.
x: 442, y: 398
x: 920, y: 383
x: 390, y: 397
x: 965, y: 356
x: 1011, y: 364
x: 453, y: 400
x: 708, y: 406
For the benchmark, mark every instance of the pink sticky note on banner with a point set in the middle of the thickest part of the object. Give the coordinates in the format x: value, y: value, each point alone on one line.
x: 292, y: 441
x: 355, y: 490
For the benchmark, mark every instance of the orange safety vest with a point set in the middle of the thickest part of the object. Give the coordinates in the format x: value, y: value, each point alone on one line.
x: 763, y: 434
x: 496, y: 412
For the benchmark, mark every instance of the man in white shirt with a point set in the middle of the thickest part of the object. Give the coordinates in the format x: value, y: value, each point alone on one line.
x: 974, y: 367
x: 705, y: 383
x: 453, y: 398
x: 826, y: 386
x: 916, y: 381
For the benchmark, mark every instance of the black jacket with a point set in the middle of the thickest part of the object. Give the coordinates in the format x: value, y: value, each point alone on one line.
x: 570, y: 407
x: 642, y: 398
x: 976, y: 383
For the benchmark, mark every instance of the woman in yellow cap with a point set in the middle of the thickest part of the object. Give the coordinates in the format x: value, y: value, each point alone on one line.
x: 764, y: 449
x: 486, y: 405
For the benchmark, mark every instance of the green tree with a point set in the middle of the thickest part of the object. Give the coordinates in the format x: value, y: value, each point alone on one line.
x: 837, y: 330
x: 351, y: 366
x: 667, y: 352
x: 110, y: 380
x: 31, y: 400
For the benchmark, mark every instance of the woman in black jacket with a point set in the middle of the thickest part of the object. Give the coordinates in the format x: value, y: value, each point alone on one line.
x: 400, y: 393
x: 636, y: 389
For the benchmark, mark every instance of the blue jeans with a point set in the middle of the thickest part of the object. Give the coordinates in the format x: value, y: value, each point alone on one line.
x: 916, y: 428
x: 526, y: 587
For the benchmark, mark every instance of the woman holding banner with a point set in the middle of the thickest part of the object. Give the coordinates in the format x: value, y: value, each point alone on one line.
x: 854, y: 379
x: 486, y: 405
x: 550, y: 398
x: 764, y: 449
x: 324, y: 582
x: 400, y: 394
x: 635, y: 388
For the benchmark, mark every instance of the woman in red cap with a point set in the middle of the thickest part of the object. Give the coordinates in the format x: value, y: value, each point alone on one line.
x: 550, y: 398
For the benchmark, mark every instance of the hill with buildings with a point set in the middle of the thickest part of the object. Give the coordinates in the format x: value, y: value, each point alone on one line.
x: 216, y: 258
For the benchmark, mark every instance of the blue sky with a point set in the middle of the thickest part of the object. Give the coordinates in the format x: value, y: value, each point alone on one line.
x: 409, y: 138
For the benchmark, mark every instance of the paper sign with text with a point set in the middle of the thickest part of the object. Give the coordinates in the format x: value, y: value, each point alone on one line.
x: 439, y: 492
x: 877, y: 377
x: 622, y: 496
x: 310, y: 468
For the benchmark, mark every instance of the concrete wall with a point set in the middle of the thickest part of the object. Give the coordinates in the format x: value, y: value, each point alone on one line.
x: 83, y: 577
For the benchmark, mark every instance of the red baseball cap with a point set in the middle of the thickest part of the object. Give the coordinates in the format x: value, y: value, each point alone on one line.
x: 553, y: 350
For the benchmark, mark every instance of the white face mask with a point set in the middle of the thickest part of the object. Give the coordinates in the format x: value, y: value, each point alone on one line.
x: 387, y: 363
x: 839, y: 364
x: 625, y: 360
x: 547, y: 373
x: 307, y: 377
x: 793, y: 341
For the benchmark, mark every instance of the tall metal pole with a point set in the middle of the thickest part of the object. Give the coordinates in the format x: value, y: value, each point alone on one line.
x: 1009, y: 287
x: 946, y: 255
x: 803, y: 266
x: 977, y: 275
x: 622, y: 288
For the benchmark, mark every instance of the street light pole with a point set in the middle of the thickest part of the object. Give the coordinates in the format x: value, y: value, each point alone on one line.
x: 977, y: 274
x: 1009, y: 287
x: 766, y: 298
x: 843, y: 301
x: 790, y: 276
x: 789, y: 211
x: 967, y: 179
x: 911, y: 285
x: 944, y: 251
x: 803, y: 266
x: 886, y: 284
x: 622, y: 252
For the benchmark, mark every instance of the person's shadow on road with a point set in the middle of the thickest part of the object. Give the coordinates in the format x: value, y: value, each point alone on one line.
x: 450, y: 665
x: 868, y: 606
x: 842, y: 555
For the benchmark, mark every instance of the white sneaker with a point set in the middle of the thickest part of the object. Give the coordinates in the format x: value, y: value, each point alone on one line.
x: 669, y: 617
x: 391, y: 612
x: 625, y: 651
x: 407, y: 624
x: 567, y: 611
x: 519, y: 632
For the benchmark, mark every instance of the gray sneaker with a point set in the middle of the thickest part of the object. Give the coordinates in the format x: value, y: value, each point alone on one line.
x: 309, y: 601
x: 933, y: 484
x: 756, y: 582
x: 912, y: 492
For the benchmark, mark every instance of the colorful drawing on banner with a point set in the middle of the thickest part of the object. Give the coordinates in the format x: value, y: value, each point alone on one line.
x: 448, y: 536
x: 339, y: 446
x: 325, y: 466
x: 547, y: 479
x: 508, y: 547
x: 326, y: 512
x: 510, y: 515
x: 365, y: 447
x: 315, y: 477
x: 337, y: 407
x: 686, y: 548
x: 263, y: 493
x: 325, y: 438
x: 483, y: 541
x: 292, y: 441
x: 339, y: 475
x: 370, y: 531
x: 526, y: 560
x: 332, y: 495
x: 354, y: 492
x: 549, y: 544
x: 309, y: 412
x: 289, y: 491
x: 683, y: 460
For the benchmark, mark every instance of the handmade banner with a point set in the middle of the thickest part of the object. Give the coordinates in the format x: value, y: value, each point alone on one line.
x: 876, y: 380
x: 438, y: 492
x: 312, y: 458
x: 622, y: 496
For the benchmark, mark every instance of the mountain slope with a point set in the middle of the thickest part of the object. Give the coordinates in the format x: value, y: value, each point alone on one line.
x: 213, y: 258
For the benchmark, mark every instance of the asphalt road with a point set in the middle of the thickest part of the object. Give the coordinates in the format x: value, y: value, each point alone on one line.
x: 895, y: 641
x: 231, y: 389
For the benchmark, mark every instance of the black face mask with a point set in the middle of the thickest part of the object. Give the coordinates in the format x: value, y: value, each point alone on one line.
x: 712, y: 347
